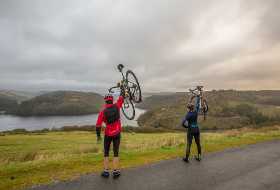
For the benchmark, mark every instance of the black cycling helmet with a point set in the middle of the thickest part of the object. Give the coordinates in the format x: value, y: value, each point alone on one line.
x: 190, y: 106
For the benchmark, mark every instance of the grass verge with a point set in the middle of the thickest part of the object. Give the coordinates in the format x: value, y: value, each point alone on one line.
x: 40, y: 158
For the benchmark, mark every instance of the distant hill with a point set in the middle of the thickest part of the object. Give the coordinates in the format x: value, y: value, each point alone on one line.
x: 158, y: 100
x: 148, y: 94
x: 228, y: 109
x: 61, y: 103
x: 19, y: 96
x: 7, y: 104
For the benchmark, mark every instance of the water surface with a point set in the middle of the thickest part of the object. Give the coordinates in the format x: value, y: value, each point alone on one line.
x: 10, y: 122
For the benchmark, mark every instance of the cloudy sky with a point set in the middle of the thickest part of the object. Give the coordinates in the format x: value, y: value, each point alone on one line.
x: 170, y: 45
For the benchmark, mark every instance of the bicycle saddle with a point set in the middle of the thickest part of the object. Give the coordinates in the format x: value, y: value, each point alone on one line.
x: 199, y: 87
x: 120, y: 67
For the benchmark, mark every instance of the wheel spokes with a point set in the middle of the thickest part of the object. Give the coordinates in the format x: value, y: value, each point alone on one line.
x: 126, y: 105
x: 128, y: 109
x: 134, y: 89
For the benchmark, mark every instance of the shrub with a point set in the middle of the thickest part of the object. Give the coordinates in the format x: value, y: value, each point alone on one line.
x: 252, y: 113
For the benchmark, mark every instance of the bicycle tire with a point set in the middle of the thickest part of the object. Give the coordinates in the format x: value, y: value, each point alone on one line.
x: 134, y: 98
x: 205, y: 108
x: 192, y: 100
x: 204, y: 105
x: 124, y: 110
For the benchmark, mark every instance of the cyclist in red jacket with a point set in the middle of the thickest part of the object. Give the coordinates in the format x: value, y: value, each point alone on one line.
x: 110, y: 115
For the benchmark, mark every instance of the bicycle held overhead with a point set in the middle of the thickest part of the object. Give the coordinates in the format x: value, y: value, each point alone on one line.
x: 130, y: 85
x: 197, y: 98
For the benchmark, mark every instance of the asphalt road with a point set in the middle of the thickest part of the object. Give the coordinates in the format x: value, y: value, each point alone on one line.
x: 252, y: 167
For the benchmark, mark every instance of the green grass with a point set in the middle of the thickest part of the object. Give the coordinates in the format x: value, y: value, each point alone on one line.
x: 30, y: 159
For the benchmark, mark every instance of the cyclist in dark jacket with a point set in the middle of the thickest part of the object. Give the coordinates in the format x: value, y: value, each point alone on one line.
x: 193, y: 130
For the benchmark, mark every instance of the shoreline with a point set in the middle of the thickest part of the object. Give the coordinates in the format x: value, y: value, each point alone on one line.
x: 13, y: 122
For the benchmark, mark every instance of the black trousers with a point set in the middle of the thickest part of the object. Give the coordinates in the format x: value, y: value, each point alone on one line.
x: 116, y: 144
x: 193, y: 133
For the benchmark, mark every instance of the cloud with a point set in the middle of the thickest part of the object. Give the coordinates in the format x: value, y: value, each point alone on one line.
x: 170, y: 45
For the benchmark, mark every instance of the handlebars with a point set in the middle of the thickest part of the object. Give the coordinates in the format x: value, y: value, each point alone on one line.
x: 119, y: 86
x: 111, y: 89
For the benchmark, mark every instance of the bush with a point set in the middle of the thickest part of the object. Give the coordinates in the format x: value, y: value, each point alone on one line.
x: 19, y: 131
x: 78, y: 128
x: 252, y: 113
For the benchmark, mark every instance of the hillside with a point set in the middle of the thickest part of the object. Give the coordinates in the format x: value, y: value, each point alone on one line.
x: 61, y: 103
x: 7, y: 104
x: 228, y: 109
x: 19, y: 96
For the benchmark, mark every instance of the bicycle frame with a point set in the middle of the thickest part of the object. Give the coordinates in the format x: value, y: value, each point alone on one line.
x: 198, y: 94
x: 197, y: 91
x: 124, y: 84
x: 123, y: 81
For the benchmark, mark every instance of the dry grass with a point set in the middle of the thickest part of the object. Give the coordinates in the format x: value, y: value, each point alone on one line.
x: 35, y: 159
x: 143, y: 142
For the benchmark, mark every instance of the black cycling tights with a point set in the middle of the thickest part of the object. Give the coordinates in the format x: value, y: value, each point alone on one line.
x: 190, y: 137
x: 116, y: 144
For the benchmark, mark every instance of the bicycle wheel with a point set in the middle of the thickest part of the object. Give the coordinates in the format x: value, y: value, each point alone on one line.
x: 128, y: 109
x: 192, y: 100
x: 134, y: 87
x: 205, y: 108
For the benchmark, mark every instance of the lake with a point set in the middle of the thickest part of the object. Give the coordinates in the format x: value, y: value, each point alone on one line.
x: 10, y: 122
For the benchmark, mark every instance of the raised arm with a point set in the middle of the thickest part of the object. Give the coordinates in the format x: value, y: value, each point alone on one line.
x: 197, y: 103
x: 120, y: 101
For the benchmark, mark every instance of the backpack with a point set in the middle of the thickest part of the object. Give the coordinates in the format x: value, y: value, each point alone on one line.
x: 112, y: 114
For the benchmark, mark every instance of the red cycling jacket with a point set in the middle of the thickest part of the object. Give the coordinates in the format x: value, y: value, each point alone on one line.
x: 114, y: 128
